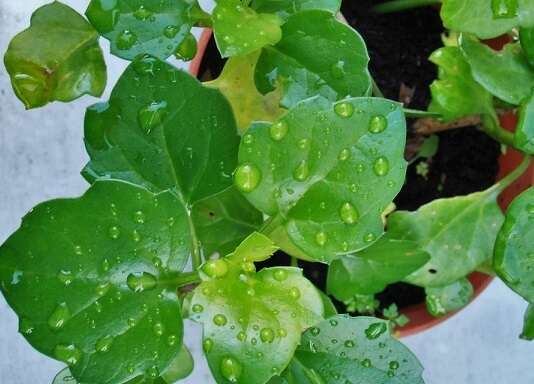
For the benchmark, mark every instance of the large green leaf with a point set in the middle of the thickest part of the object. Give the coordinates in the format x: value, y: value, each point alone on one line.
x: 134, y: 27
x: 458, y: 233
x: 346, y: 349
x: 326, y: 172
x: 455, y: 93
x: 526, y: 36
x: 162, y: 129
x: 371, y: 270
x: 514, y: 250
x: 236, y: 82
x: 528, y: 327
x: 57, y: 58
x: 252, y: 321
x: 449, y: 298
x: 524, y: 133
x: 240, y: 30
x: 285, y: 8
x: 487, y: 18
x: 91, y: 280
x: 505, y: 74
x: 318, y: 55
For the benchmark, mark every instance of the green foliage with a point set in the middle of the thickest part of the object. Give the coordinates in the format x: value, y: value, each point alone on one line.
x: 395, y: 318
x: 449, y: 298
x: 456, y: 94
x: 56, y: 59
x: 285, y: 8
x: 300, y: 170
x: 485, y: 18
x: 371, y: 270
x: 524, y: 133
x: 252, y: 321
x: 344, y: 349
x: 239, y: 30
x: 100, y: 290
x: 317, y: 55
x: 134, y: 27
x: 505, y: 74
x: 528, y: 327
x: 526, y: 36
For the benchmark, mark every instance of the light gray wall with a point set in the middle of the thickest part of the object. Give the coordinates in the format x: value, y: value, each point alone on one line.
x: 41, y: 154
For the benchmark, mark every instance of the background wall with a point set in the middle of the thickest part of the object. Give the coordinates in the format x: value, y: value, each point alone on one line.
x: 41, y: 154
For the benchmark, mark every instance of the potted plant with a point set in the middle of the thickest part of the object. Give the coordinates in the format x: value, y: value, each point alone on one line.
x: 285, y: 150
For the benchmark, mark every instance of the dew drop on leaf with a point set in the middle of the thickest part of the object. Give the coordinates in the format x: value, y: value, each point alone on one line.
x: 216, y: 268
x: 241, y: 336
x: 302, y: 171
x: 378, y: 124
x: 140, y: 282
x: 344, y: 109
x: 104, y: 344
x: 231, y: 369
x: 366, y: 363
x: 220, y: 320
x: 65, y: 277
x: 344, y: 154
x: 159, y: 329
x: 282, y: 332
x: 267, y: 335
x: 375, y: 330
x: 102, y: 289
x: 279, y: 130
x: 68, y: 354
x: 349, y: 344
x: 338, y: 70
x: 126, y: 40
x: 114, y: 232
x: 348, y: 213
x: 333, y: 323
x: 152, y: 115
x: 381, y: 166
x: 504, y: 9
x: 247, y: 177
x: 369, y: 238
x: 171, y: 31
x: 142, y: 13
x: 303, y: 143
x: 321, y: 238
x: 26, y: 327
x: 187, y: 49
x: 171, y: 340
x: 152, y: 372
x: 145, y: 65
x: 59, y: 317
x: 294, y: 292
x: 280, y: 275
x: 394, y: 365
x: 197, y: 308
x: 315, y: 331
x: 207, y: 345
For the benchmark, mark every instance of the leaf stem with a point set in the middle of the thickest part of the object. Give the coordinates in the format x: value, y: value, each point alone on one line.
x: 403, y: 5
x: 514, y: 175
x: 376, y: 89
x: 415, y: 113
x: 187, y: 278
x: 492, y: 126
x: 294, y: 262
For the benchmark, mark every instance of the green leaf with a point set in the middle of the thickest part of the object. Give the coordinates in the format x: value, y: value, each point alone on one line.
x: 514, y: 250
x: 528, y: 327
x: 326, y: 172
x: 236, y: 82
x: 57, y: 59
x: 352, y: 350
x: 458, y: 233
x: 456, y: 94
x: 430, y: 147
x: 505, y: 74
x: 90, y: 285
x: 252, y: 321
x: 329, y: 307
x: 526, y: 36
x: 371, y: 270
x: 162, y: 129
x: 524, y: 133
x: 240, y: 30
x: 318, y: 55
x: 286, y: 8
x: 485, y: 18
x: 134, y: 27
x: 449, y: 298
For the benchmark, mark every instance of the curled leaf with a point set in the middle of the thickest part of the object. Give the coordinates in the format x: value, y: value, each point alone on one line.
x: 449, y: 298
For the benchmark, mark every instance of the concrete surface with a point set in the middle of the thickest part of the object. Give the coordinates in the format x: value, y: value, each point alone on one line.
x: 41, y: 154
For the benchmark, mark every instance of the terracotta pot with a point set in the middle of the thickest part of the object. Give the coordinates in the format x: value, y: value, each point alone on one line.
x: 420, y: 319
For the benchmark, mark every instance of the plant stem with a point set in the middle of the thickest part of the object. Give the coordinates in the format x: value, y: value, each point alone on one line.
x: 403, y: 5
x: 415, y: 113
x: 514, y: 175
x: 294, y: 262
x: 187, y: 278
x: 376, y: 90
x: 492, y: 126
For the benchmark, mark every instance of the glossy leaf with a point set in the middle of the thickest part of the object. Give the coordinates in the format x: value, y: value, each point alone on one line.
x: 90, y: 285
x: 252, y: 321
x: 56, y: 59
x: 236, y: 82
x: 528, y: 327
x: 514, y: 251
x: 458, y: 233
x: 443, y: 300
x: 134, y: 27
x: 318, y: 55
x: 524, y: 133
x: 526, y: 36
x: 455, y: 93
x: 487, y: 18
x: 505, y: 74
x: 371, y: 270
x: 325, y: 172
x: 240, y: 30
x: 285, y: 8
x: 352, y: 350
x: 162, y: 129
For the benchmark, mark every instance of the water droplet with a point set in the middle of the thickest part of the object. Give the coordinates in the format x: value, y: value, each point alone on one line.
x: 104, y: 344
x: 152, y: 372
x: 197, y: 308
x: 321, y: 238
x: 247, y: 177
x: 102, y: 289
x: 142, y: 13
x: 381, y: 166
x: 333, y: 323
x: 251, y: 291
x: 348, y: 213
x: 375, y: 330
x: 171, y: 340
x: 26, y: 327
x: 394, y: 365
x: 59, y: 317
x: 504, y: 9
x: 279, y: 130
x: 105, y: 265
x: 338, y: 70
x: 216, y: 268
x: 280, y: 275
x: 367, y: 363
x: 131, y: 322
x: 145, y: 65
x: 302, y: 171
x: 231, y: 369
x: 294, y: 292
x: 187, y: 49
x: 303, y: 143
x: 369, y: 238
x: 69, y: 354
x: 159, y: 329
x: 126, y: 40
x: 78, y: 250
x: 114, y: 232
x: 220, y: 320
x: 241, y: 336
x: 378, y: 124
x: 267, y: 335
x: 315, y: 331
x: 171, y: 31
x: 344, y: 154
x: 66, y: 277
x: 344, y: 109
x: 140, y: 282
x: 207, y: 345
x: 349, y: 344
x: 248, y: 267
x: 152, y: 115
x: 139, y: 217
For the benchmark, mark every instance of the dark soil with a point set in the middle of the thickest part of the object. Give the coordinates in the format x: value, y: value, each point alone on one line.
x: 399, y: 46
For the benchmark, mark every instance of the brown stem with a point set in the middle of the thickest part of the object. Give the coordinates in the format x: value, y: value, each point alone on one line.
x: 427, y: 126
